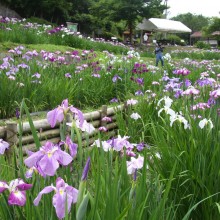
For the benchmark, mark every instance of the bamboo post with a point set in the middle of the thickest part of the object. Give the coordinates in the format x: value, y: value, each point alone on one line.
x: 11, y: 138
x: 103, y: 114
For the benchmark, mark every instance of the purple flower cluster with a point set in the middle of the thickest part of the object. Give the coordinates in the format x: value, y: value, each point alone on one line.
x: 54, y: 30
x: 48, y: 159
x: 63, y: 198
x: 17, y: 192
x: 139, y: 68
x: 59, y: 113
x: 183, y: 72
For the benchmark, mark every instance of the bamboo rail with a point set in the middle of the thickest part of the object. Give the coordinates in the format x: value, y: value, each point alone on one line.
x: 45, y: 133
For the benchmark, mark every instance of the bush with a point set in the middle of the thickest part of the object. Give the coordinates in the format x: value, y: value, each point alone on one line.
x: 174, y: 39
x: 202, y: 45
x: 107, y: 35
x: 39, y: 21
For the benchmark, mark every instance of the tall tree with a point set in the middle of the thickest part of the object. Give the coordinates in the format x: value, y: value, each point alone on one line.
x: 194, y: 22
x: 80, y: 14
x: 101, y: 12
x: 133, y: 11
x: 214, y: 26
x: 51, y: 10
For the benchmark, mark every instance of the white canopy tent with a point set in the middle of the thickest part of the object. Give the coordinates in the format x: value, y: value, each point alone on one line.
x: 163, y: 25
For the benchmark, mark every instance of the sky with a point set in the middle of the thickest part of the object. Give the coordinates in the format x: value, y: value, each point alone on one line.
x: 207, y: 8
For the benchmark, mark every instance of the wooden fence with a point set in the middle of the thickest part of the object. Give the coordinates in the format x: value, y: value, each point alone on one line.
x: 9, y: 132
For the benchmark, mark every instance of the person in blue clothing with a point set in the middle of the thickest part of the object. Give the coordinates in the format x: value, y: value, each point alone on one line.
x: 159, y: 54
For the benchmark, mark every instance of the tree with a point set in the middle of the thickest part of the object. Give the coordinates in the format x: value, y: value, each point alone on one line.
x: 133, y: 11
x: 194, y: 22
x: 214, y: 26
x: 101, y: 10
x: 51, y: 10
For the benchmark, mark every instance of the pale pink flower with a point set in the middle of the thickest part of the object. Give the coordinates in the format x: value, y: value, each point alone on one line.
x: 215, y: 94
x: 135, y: 163
x: 132, y: 102
x: 191, y: 91
x: 3, y: 146
x: 135, y: 116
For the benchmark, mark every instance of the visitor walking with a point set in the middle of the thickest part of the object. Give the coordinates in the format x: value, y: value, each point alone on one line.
x: 159, y: 54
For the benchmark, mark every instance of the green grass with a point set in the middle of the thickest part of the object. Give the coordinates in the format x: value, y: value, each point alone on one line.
x: 7, y: 45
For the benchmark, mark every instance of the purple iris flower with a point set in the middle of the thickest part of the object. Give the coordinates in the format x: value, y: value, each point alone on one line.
x: 137, y: 65
x: 165, y: 78
x: 64, y: 196
x: 70, y: 145
x: 68, y: 75
x: 86, y: 169
x: 183, y: 72
x: 130, y: 153
x: 116, y: 78
x: 191, y: 91
x: 119, y: 143
x: 29, y: 173
x: 103, y: 129
x: 59, y: 113
x: 200, y: 105
x: 48, y: 159
x: 132, y: 78
x: 134, y: 164
x: 75, y: 52
x: 206, y: 82
x: 17, y: 190
x: 139, y: 92
x: 140, y: 81
x: 215, y: 94
x: 23, y: 66
x: 114, y: 100
x: 109, y: 68
x: 135, y: 175
x: 5, y: 65
x: 132, y: 102
x: 17, y: 113
x: 211, y: 101
x: 178, y: 93
x: 187, y: 82
x: 35, y: 169
x: 140, y: 146
x: 3, y: 146
x: 37, y: 75
x: 107, y: 119
x: 96, y: 75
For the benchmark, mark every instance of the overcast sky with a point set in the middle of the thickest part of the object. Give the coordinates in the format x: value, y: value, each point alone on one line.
x: 208, y: 8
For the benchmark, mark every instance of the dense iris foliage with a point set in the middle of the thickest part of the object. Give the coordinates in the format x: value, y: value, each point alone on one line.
x: 163, y: 163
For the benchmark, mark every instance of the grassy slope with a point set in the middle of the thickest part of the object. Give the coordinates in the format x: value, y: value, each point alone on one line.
x: 5, y: 46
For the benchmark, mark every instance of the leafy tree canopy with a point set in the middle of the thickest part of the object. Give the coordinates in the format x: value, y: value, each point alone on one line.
x: 194, y: 22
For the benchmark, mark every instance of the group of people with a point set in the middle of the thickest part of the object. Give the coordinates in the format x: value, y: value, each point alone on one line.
x: 158, y: 51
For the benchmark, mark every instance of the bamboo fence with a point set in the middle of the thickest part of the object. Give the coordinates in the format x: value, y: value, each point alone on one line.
x: 9, y: 132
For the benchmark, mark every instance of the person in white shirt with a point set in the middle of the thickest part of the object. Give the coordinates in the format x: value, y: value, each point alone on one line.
x: 145, y: 37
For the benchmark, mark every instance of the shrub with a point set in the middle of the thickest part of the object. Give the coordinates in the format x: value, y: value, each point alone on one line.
x: 39, y: 21
x: 202, y: 45
x: 174, y: 39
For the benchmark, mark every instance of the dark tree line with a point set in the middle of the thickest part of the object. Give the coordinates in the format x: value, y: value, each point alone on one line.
x: 92, y: 15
